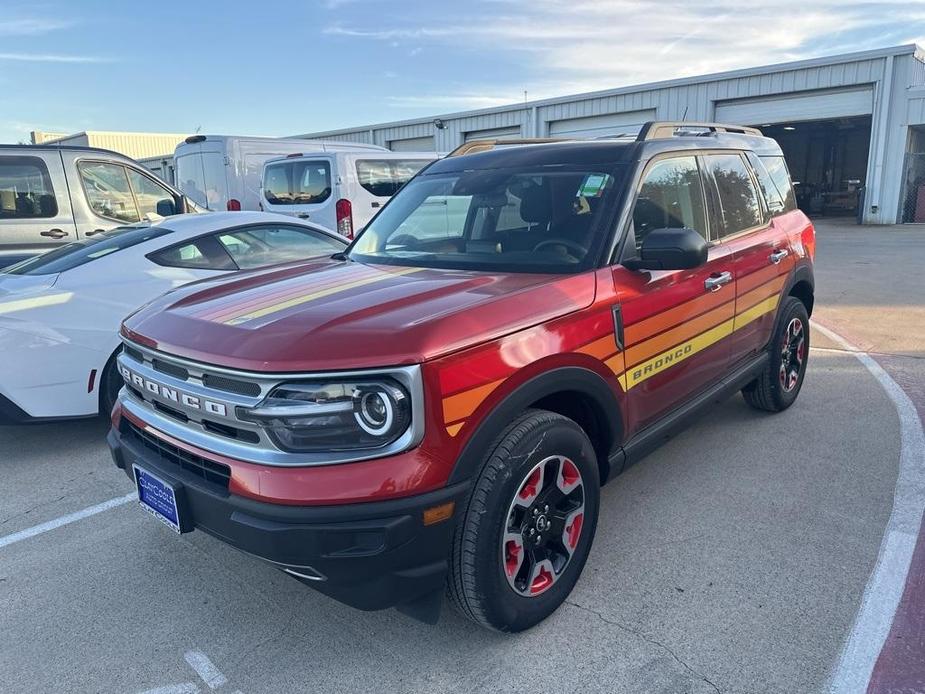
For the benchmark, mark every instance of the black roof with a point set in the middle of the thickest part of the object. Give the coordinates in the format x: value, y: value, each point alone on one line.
x: 616, y: 150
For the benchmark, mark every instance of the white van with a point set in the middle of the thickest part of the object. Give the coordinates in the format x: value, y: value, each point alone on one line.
x: 338, y: 190
x: 222, y: 172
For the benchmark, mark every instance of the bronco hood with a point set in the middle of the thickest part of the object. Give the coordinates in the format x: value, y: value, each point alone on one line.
x: 333, y: 315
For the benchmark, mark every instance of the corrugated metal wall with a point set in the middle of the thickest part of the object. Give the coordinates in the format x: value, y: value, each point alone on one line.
x: 134, y: 145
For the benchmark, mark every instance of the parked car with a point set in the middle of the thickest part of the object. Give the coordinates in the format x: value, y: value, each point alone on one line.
x: 440, y: 404
x: 60, y: 312
x: 222, y: 172
x: 50, y: 196
x: 342, y: 190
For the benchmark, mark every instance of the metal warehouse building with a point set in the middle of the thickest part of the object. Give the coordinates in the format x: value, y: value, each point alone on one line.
x: 851, y: 126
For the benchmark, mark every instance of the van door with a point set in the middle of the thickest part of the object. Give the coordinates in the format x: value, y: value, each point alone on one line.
x: 201, y: 173
x: 35, y: 208
x: 303, y: 188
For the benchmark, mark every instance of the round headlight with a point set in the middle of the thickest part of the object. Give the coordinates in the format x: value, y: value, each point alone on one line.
x: 375, y: 412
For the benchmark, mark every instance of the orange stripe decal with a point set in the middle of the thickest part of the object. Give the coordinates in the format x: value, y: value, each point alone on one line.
x: 601, y: 348
x: 453, y: 429
x: 685, y: 331
x: 463, y: 404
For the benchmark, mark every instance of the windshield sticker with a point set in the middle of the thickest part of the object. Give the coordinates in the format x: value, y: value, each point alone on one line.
x: 593, y: 186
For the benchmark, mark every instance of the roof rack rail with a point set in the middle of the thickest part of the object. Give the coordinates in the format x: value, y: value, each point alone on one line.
x: 473, y: 146
x: 654, y: 130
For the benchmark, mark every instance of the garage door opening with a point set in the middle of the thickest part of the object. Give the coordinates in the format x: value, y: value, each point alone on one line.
x: 827, y: 161
x: 913, y: 196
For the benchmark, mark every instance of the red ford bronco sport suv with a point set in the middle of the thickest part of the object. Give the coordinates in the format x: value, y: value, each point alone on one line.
x: 439, y: 405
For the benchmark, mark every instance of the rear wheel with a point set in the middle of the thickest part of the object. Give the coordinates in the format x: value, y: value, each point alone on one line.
x: 529, y: 524
x: 777, y: 387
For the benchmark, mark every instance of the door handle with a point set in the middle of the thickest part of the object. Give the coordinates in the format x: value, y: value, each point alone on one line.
x: 54, y: 233
x: 95, y: 231
x: 714, y: 283
x: 778, y: 255
x: 302, y: 215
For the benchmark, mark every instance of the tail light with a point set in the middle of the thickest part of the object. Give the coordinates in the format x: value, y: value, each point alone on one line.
x: 344, y: 211
x: 808, y: 237
x: 234, y: 205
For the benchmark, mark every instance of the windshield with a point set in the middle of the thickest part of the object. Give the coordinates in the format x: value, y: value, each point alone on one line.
x: 548, y: 219
x: 73, y: 255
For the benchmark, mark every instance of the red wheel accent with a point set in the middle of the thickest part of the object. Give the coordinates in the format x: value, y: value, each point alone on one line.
x: 573, y: 530
x: 542, y: 580
x: 569, y: 476
x: 531, y: 487
x: 513, y: 556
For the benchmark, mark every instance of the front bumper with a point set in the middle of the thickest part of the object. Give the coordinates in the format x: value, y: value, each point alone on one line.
x: 370, y: 555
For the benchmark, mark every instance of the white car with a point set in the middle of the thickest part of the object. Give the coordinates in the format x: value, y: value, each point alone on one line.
x: 60, y: 312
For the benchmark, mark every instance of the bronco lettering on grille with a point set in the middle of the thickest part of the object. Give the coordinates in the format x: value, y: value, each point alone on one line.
x: 192, y: 402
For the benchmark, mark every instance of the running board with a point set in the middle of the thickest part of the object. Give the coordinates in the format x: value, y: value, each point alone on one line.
x: 671, y: 424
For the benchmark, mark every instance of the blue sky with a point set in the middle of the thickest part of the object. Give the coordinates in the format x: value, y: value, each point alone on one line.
x: 281, y: 68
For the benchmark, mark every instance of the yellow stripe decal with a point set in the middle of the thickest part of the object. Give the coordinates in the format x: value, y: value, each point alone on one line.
x: 305, y: 298
x: 453, y: 429
x: 682, y: 351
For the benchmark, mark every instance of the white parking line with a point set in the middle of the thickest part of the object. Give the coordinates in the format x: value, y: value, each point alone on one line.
x: 209, y: 674
x: 66, y: 520
x: 888, y: 579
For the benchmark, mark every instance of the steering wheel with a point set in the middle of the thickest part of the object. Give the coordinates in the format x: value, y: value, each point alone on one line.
x: 568, y: 243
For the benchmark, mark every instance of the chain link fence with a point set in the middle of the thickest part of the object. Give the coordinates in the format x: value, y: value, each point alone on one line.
x: 913, y: 200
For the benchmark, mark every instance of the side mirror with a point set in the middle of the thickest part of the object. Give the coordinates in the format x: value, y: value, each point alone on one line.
x: 670, y: 249
x: 166, y: 207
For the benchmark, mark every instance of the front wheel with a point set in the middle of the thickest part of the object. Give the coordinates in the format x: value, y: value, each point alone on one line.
x: 529, y: 524
x: 777, y: 387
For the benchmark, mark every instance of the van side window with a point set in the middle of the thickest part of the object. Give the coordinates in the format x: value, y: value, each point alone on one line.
x: 383, y: 177
x: 671, y: 196
x: 780, y: 176
x: 108, y: 190
x: 737, y: 195
x: 297, y: 182
x: 25, y: 189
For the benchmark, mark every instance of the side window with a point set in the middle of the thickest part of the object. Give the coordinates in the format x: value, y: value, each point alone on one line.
x: 199, y: 254
x: 780, y: 176
x: 152, y: 198
x: 383, y: 177
x: 737, y: 195
x: 671, y: 196
x: 108, y: 191
x: 25, y: 189
x: 258, y: 246
x: 772, y: 196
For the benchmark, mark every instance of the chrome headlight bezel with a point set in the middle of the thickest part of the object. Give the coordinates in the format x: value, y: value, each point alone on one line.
x: 334, y: 414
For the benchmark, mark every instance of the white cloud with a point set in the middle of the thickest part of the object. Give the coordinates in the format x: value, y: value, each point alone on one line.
x: 31, y: 26
x: 566, y: 46
x: 52, y: 58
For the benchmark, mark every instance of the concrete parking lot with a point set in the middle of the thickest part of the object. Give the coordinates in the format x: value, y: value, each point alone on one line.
x: 734, y: 559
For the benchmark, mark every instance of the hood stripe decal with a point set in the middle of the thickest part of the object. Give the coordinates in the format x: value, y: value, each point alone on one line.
x: 312, y: 296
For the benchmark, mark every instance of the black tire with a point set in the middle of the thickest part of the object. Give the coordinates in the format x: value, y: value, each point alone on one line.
x: 770, y: 391
x: 111, y: 383
x: 478, y: 583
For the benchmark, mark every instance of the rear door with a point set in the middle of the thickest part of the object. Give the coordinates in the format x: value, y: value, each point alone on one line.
x: 35, y: 208
x: 676, y: 323
x: 762, y: 257
x: 302, y: 187
x: 201, y: 173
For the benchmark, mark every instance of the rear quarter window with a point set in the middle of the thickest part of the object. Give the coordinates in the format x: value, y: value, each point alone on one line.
x: 384, y: 177
x: 25, y: 189
x: 779, y: 176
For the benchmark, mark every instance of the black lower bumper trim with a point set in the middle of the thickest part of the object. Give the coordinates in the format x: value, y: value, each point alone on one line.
x: 370, y: 555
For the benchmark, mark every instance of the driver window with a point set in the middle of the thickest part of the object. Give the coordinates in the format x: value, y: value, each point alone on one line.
x: 671, y: 196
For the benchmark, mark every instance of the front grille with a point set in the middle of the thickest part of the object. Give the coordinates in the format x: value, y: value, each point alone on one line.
x: 171, y: 369
x: 231, y: 385
x: 134, y: 354
x: 208, y: 470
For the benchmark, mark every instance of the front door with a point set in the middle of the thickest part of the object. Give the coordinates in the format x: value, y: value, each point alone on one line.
x: 675, y: 323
